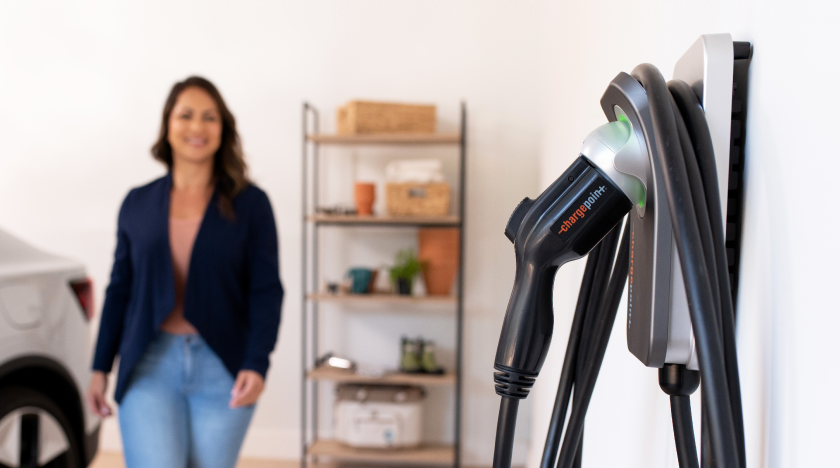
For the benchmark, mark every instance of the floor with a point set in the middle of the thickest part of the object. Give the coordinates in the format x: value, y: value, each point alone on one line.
x: 114, y: 460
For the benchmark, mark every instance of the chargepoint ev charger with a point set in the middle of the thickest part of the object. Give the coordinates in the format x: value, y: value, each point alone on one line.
x: 667, y: 160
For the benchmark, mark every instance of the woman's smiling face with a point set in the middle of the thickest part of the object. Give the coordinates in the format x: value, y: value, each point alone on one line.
x: 195, y: 127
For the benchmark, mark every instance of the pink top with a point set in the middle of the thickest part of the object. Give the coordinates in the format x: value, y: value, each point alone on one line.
x: 182, y: 233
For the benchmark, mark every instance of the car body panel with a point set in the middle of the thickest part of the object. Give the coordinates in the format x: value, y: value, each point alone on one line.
x: 52, y: 324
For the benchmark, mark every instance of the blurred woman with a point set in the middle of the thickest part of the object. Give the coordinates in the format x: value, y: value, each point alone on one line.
x: 193, y: 306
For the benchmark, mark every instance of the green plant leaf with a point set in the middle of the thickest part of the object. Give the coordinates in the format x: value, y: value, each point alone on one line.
x: 406, y: 265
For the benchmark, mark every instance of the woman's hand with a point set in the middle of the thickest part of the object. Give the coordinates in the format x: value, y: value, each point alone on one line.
x: 247, y: 388
x: 96, y: 394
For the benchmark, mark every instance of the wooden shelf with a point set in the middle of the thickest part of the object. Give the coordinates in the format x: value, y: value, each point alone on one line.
x: 423, y: 455
x: 397, y: 378
x: 381, y: 299
x: 448, y: 220
x: 388, y: 139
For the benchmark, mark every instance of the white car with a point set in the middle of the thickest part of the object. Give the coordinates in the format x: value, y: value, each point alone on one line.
x: 46, y: 303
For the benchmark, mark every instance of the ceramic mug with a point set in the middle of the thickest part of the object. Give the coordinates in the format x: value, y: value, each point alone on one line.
x: 360, y: 278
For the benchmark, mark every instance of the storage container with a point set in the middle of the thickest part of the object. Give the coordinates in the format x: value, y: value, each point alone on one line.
x: 382, y: 117
x: 379, y: 416
x: 413, y: 199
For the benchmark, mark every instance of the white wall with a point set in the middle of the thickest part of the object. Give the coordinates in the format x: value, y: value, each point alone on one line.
x: 787, y: 304
x: 81, y: 89
x: 82, y: 84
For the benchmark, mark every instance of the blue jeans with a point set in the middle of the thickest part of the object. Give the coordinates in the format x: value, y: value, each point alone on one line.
x: 175, y: 413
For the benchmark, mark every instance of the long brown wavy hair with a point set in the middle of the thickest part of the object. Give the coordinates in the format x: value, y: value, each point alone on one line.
x: 229, y: 168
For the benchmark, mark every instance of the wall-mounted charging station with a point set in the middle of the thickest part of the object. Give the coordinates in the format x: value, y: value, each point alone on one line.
x: 664, y: 160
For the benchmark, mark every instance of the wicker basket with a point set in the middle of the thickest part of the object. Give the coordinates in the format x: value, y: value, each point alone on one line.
x: 411, y: 199
x: 380, y: 117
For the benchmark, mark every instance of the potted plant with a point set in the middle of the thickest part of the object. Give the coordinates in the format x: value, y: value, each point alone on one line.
x: 406, y: 267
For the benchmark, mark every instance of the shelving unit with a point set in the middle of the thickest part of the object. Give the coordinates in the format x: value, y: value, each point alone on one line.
x: 388, y: 139
x: 425, y: 221
x: 381, y: 299
x: 434, y: 455
x: 396, y: 378
x: 316, y: 449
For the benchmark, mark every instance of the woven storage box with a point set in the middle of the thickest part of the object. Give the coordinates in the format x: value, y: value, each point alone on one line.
x: 381, y: 117
x: 412, y: 199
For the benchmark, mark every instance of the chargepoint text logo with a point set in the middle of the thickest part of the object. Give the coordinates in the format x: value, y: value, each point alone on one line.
x: 580, y: 213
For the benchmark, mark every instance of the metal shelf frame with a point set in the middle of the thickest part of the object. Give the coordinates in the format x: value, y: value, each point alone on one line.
x: 310, y: 170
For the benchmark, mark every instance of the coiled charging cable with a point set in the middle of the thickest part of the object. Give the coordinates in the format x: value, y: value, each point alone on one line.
x: 691, y: 187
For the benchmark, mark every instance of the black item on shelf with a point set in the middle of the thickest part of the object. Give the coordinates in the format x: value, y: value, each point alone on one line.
x: 403, y: 287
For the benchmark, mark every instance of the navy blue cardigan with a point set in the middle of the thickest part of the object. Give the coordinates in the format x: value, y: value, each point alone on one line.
x: 233, y: 292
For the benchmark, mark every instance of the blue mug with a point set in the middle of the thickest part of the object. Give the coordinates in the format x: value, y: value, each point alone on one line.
x: 360, y: 280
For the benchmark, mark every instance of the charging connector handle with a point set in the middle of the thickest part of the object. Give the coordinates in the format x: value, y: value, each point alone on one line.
x: 564, y: 223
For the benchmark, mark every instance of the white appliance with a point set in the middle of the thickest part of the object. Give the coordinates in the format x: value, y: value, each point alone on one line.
x: 378, y: 416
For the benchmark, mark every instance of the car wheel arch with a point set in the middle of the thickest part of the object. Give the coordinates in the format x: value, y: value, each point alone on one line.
x: 51, y: 378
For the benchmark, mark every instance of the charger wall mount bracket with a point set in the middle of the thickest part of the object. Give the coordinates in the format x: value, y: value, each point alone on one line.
x: 658, y: 321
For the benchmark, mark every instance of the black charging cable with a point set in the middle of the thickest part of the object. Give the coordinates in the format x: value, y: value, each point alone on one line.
x: 699, y: 199
x: 679, y: 382
x: 691, y: 177
x: 596, y: 274
x: 505, y: 429
x: 703, y: 310
x: 684, y: 432
x: 698, y: 129
x: 567, y: 374
x: 602, y: 278
x: 585, y: 384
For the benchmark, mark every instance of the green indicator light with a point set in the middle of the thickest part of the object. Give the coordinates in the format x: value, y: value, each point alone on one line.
x: 623, y: 118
